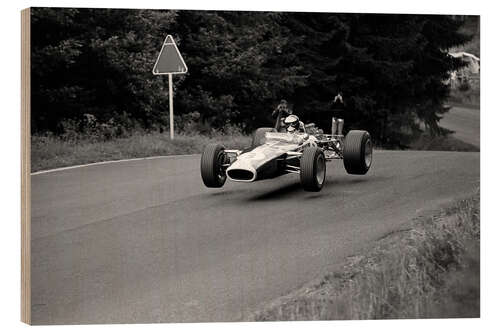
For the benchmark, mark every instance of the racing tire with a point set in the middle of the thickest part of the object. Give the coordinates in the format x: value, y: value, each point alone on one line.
x: 259, y: 135
x: 212, y: 159
x: 312, y: 169
x: 358, y: 152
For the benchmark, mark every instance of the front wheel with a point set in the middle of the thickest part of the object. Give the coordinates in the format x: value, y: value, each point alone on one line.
x: 212, y: 168
x: 358, y: 152
x: 312, y: 169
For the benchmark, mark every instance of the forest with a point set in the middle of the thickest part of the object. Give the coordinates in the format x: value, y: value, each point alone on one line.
x: 92, y: 70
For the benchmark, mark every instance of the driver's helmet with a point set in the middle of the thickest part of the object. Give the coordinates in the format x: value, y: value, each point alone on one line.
x: 292, y: 123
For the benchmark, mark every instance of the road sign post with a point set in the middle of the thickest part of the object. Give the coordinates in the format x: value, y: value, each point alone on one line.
x: 170, y: 62
x: 171, y: 105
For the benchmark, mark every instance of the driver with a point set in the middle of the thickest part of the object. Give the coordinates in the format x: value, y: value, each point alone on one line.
x: 293, y: 125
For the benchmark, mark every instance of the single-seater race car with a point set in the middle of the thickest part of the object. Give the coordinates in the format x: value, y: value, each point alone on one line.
x: 274, y: 153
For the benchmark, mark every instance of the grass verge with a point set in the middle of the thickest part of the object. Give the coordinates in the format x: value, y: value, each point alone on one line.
x: 442, y: 143
x: 48, y: 152
x: 430, y: 270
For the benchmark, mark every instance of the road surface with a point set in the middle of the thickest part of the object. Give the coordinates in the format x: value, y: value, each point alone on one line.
x: 465, y: 122
x: 145, y: 241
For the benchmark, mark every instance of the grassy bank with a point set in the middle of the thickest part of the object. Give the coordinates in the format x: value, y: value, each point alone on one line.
x: 430, y: 270
x: 48, y: 152
x: 441, y: 143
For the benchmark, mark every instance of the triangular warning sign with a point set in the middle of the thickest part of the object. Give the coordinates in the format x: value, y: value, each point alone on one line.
x: 169, y: 40
x: 169, y: 60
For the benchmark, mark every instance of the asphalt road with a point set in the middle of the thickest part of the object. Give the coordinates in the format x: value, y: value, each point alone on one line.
x: 145, y: 241
x: 465, y: 122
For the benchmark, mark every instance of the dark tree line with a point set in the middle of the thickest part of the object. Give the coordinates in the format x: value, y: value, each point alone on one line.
x: 389, y: 68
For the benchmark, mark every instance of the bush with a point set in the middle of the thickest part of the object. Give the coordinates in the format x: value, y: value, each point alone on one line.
x: 89, y: 128
x: 464, y: 85
x: 51, y: 151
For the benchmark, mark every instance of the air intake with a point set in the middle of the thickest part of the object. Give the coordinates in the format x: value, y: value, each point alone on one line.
x: 241, y: 175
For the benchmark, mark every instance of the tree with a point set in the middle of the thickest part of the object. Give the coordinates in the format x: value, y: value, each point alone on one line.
x: 238, y: 66
x: 390, y: 69
x: 96, y: 61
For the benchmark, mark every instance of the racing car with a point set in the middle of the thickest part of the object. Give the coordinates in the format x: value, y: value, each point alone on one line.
x: 274, y: 153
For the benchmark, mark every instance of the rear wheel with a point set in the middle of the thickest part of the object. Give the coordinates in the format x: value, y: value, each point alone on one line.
x: 259, y: 135
x: 213, y: 159
x: 358, y: 152
x: 312, y: 169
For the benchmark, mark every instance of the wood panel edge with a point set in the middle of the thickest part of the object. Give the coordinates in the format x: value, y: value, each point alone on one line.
x: 25, y: 166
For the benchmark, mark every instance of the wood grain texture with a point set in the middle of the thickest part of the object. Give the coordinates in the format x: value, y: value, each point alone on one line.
x: 25, y: 167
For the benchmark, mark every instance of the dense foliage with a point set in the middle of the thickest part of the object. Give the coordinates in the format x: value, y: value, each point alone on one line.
x: 92, y: 68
